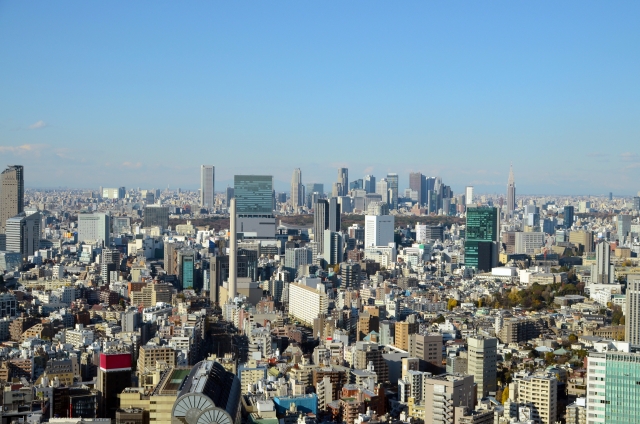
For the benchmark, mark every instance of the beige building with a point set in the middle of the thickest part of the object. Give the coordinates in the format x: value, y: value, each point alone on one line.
x: 582, y: 238
x: 152, y: 359
x: 11, y: 194
x: 427, y: 348
x: 404, y: 330
x: 307, y: 303
x: 538, y: 393
x: 482, y: 361
x: 152, y: 294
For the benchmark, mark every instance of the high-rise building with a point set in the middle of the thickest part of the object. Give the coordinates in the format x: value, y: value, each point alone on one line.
x: 296, y: 257
x: 228, y: 196
x: 623, y: 226
x: 582, y: 239
x: 613, y: 392
x: 404, y: 330
x: 482, y: 359
x: 207, y: 186
x: 23, y: 233
x: 511, y: 193
x: 568, y: 216
x: 416, y: 180
x: 326, y: 216
x: 468, y: 195
x: 254, y: 204
x: 378, y: 230
x: 603, y: 272
x: 333, y: 251
x: 343, y: 182
x: 370, y: 184
x: 11, y: 194
x: 632, y: 315
x: 382, y: 188
x: 527, y: 243
x: 392, y: 178
x: 636, y: 203
x: 186, y: 260
x: 156, y: 216
x: 297, y: 189
x: 94, y: 226
x: 481, y: 238
x: 114, y: 375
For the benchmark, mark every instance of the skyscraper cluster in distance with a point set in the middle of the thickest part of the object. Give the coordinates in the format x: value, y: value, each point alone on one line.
x: 378, y: 300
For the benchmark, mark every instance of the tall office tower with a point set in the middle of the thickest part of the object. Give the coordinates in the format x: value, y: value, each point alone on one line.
x: 480, y: 245
x: 624, y: 226
x: 254, y: 204
x: 481, y: 363
x: 11, y: 194
x: 23, y: 233
x: 613, y: 393
x: 326, y: 216
x: 343, y: 181
x: 311, y: 188
x: 511, y: 193
x: 468, y: 195
x: 109, y: 263
x: 415, y: 183
x: 393, y: 190
x: 233, y: 250
x: 356, y: 185
x: 332, y: 250
x: 636, y: 203
x: 297, y: 190
x: 114, y: 375
x: 156, y: 215
x: 382, y: 188
x: 186, y: 268
x: 568, y: 216
x: 207, y: 184
x: 229, y: 196
x: 335, y: 222
x: 378, y: 230
x: 604, y: 272
x: 632, y: 315
x: 370, y: 184
x: 94, y: 226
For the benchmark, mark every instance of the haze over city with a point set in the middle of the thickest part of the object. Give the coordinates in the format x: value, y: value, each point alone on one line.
x: 94, y: 94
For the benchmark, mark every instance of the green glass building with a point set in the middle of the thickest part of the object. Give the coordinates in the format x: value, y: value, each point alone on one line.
x: 613, y: 388
x: 481, y: 235
x: 254, y: 195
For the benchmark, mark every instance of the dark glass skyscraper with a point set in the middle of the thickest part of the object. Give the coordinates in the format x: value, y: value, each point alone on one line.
x: 568, y: 216
x: 480, y: 246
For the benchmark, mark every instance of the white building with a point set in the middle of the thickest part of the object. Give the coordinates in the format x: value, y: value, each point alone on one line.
x: 94, y: 226
x: 307, y: 303
x: 378, y: 230
x: 527, y: 243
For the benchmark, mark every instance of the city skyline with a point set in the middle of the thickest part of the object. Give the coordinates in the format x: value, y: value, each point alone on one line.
x: 438, y: 91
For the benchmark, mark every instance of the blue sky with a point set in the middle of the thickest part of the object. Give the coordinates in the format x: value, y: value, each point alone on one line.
x: 142, y: 93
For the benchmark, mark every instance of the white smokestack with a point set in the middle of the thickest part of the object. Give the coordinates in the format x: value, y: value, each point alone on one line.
x: 233, y: 251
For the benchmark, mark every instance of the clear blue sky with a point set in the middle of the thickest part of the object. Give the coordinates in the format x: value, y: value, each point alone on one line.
x: 141, y: 93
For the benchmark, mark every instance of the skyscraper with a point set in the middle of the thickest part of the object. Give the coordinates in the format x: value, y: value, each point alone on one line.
x: 254, y: 204
x: 23, y: 233
x: 568, y: 216
x: 379, y: 230
x: 343, y: 181
x: 480, y: 245
x: 332, y: 250
x: 392, y: 178
x: 382, y: 188
x: 481, y: 360
x: 604, y: 272
x: 156, y: 215
x: 415, y: 183
x: 297, y: 191
x: 229, y: 196
x: 11, y: 194
x: 624, y: 226
x: 468, y: 194
x: 326, y: 216
x: 370, y: 184
x: 632, y: 316
x: 511, y: 193
x: 114, y: 375
x: 207, y: 184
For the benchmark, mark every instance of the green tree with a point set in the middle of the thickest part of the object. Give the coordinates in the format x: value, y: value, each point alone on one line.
x: 572, y: 338
x: 549, y: 357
